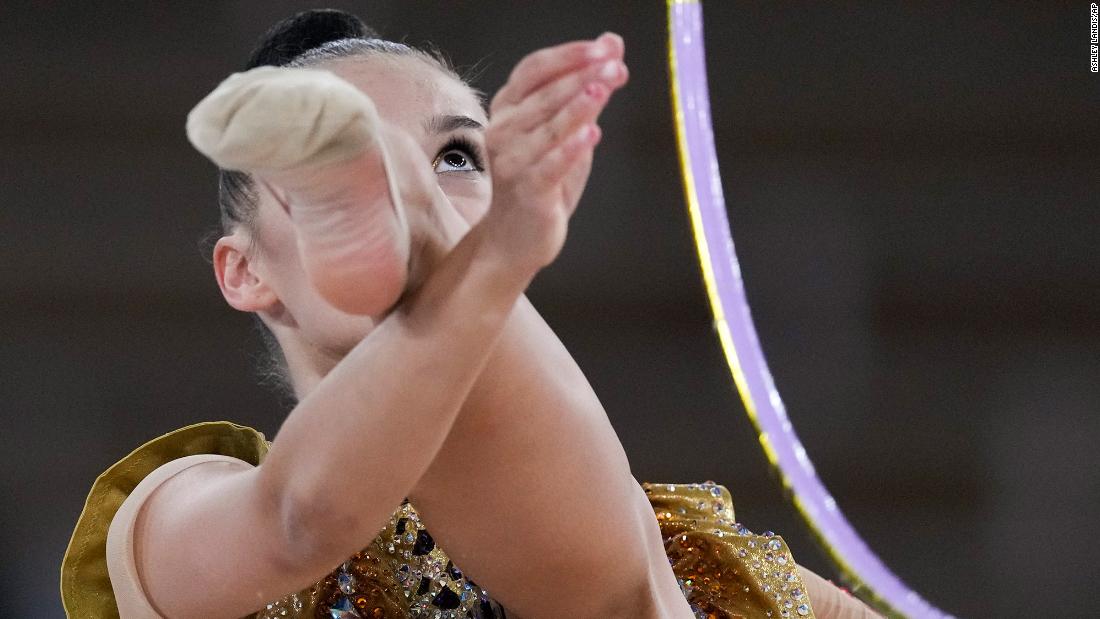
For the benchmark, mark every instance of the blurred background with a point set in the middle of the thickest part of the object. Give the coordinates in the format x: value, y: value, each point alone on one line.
x: 914, y: 196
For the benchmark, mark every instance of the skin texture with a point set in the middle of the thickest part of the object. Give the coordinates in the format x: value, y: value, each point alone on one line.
x: 319, y: 495
x: 506, y: 403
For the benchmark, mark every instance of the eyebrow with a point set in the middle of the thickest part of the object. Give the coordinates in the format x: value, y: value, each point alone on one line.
x: 448, y: 123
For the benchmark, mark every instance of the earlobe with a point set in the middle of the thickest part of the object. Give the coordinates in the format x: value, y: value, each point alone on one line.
x: 242, y: 287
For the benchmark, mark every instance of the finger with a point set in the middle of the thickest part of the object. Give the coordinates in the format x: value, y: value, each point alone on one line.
x: 544, y: 65
x: 541, y: 105
x: 559, y: 160
x: 583, y: 109
x: 575, y: 179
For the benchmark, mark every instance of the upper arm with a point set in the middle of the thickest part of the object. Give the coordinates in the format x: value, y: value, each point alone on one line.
x: 207, y: 542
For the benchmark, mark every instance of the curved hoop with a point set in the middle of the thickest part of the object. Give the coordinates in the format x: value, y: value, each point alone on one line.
x: 859, y: 566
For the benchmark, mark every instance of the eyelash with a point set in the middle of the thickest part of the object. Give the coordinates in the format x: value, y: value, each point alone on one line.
x: 461, y: 143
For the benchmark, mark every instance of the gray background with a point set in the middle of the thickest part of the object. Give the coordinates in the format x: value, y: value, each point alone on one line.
x: 913, y: 192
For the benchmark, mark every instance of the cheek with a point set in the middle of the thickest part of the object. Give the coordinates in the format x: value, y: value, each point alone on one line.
x: 279, y: 246
x: 471, y: 198
x: 317, y: 320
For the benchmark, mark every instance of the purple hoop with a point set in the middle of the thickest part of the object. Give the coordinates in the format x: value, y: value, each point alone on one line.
x: 859, y: 566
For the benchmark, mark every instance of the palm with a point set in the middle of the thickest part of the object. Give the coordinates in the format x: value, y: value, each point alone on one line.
x: 540, y: 141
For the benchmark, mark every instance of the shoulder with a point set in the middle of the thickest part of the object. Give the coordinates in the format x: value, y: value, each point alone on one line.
x: 117, y: 495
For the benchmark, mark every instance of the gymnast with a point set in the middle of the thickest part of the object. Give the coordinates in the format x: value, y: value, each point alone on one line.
x: 445, y: 457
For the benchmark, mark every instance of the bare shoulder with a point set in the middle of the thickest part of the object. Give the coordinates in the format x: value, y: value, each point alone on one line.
x: 178, y: 488
x: 207, y: 543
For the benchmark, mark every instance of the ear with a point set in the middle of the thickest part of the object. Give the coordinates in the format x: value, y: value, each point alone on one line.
x: 241, y: 285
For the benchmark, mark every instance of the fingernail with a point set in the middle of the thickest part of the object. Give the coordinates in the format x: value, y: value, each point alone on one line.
x: 601, y: 47
x: 587, y: 134
x: 610, y: 70
x: 604, y: 45
x: 594, y: 134
x: 595, y: 90
x: 611, y: 41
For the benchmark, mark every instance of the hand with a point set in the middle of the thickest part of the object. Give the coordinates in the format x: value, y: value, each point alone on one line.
x: 541, y: 136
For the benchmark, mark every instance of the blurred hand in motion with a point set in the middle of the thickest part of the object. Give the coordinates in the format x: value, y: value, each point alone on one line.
x: 541, y: 137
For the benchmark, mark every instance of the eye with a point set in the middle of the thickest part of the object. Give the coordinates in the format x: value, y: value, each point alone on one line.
x: 454, y: 160
x: 458, y: 155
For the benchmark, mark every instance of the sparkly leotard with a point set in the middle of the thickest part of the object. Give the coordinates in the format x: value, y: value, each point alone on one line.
x: 723, y: 569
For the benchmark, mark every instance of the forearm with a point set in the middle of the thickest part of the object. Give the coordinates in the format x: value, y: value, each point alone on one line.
x: 331, y: 466
x: 533, y: 480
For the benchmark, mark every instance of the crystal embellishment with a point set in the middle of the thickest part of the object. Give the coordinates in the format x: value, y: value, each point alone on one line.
x: 346, y: 583
x: 344, y: 609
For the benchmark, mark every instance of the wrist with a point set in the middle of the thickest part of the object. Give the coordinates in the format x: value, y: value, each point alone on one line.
x: 500, y: 266
x: 472, y: 284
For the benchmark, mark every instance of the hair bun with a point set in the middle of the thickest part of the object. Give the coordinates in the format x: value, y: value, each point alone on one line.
x: 309, y: 29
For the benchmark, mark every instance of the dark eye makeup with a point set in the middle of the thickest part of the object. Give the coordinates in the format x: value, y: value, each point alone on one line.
x: 460, y: 155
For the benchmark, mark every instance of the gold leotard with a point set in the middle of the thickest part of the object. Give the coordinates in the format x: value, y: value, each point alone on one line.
x: 724, y: 570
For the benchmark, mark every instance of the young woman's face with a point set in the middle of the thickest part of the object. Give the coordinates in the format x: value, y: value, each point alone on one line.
x: 445, y: 118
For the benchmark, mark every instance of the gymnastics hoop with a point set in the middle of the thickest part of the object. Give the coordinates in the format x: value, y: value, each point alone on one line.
x: 859, y: 567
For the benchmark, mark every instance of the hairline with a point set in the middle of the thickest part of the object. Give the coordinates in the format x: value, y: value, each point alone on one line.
x: 352, y: 48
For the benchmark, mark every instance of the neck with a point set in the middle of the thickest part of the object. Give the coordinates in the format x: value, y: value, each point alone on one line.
x: 307, y: 364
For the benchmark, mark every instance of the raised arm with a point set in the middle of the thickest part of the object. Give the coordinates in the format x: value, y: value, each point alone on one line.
x: 219, y: 541
x: 554, y: 491
x: 532, y: 480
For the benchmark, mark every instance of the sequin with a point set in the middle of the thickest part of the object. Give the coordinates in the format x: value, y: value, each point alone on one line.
x: 346, y: 583
x: 344, y: 609
x: 404, y: 573
x: 424, y: 543
x: 446, y: 599
x: 723, y: 569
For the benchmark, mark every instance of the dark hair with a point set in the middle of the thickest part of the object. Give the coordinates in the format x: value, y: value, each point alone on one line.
x: 309, y: 38
x: 306, y: 39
